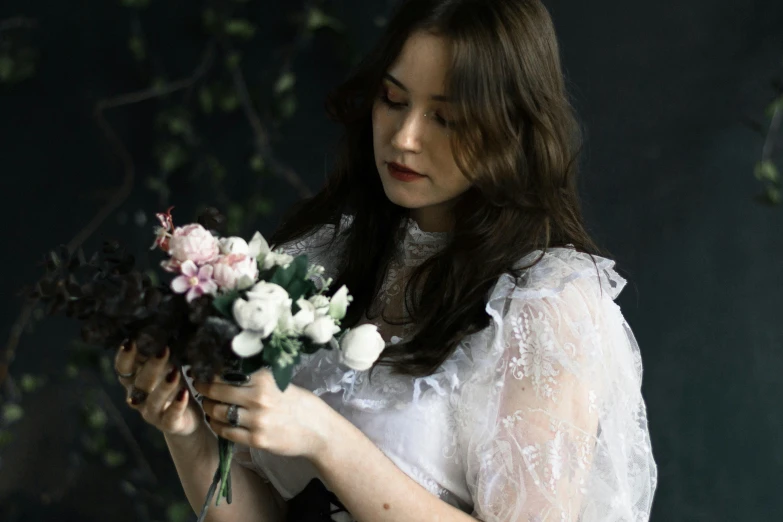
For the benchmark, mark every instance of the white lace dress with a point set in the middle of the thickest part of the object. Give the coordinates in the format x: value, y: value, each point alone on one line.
x: 539, y: 417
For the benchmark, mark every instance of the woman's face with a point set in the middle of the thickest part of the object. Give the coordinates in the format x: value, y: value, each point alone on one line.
x: 414, y: 87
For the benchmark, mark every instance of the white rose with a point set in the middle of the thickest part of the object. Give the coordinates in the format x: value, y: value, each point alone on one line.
x: 305, y: 315
x: 321, y: 330
x: 234, y: 245
x: 266, y: 291
x: 361, y: 346
x: 339, y: 303
x: 258, y: 320
x: 321, y: 304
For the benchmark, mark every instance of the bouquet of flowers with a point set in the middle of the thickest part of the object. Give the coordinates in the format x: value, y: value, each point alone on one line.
x: 229, y: 308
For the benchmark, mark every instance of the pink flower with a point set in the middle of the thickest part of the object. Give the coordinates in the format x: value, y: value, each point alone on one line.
x: 163, y: 232
x: 229, y: 269
x: 194, y: 280
x: 193, y: 243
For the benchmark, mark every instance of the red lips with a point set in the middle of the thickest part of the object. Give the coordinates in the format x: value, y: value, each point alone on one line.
x: 403, y: 168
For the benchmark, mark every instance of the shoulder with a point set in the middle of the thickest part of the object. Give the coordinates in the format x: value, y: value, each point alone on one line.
x: 561, y: 269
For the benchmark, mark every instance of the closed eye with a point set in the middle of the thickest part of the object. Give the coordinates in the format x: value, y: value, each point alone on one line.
x: 395, y: 105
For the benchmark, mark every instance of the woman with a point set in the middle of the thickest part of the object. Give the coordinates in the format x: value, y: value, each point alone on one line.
x: 509, y: 389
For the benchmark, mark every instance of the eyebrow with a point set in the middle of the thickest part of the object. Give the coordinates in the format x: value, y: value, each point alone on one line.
x: 398, y: 83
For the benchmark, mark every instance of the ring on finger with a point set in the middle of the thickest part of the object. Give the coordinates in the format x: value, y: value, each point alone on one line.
x: 137, y: 395
x: 232, y: 415
x: 125, y: 375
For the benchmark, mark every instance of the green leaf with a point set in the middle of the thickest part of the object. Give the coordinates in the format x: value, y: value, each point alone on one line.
x: 178, y: 512
x: 5, y: 438
x: 12, y: 413
x: 297, y: 269
x: 31, y: 383
x: 217, y: 168
x: 317, y: 19
x: 158, y: 186
x: 288, y: 106
x: 206, y: 100
x: 96, y: 418
x: 71, y: 371
x: 7, y: 66
x: 773, y: 195
x: 283, y: 375
x: 172, y: 157
x: 94, y: 442
x: 240, y: 28
x: 775, y: 106
x: 113, y: 458
x: 257, y: 163
x: 233, y: 60
x: 225, y: 303
x: 767, y: 171
x: 137, y: 48
x: 263, y: 206
x: 285, y: 83
x: 229, y: 102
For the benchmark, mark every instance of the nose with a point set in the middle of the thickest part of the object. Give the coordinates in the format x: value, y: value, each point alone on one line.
x: 408, y: 136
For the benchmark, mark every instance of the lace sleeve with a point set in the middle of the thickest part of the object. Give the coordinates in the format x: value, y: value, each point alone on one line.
x: 567, y: 436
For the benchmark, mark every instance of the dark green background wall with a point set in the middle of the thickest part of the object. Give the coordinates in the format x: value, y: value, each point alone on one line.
x: 663, y: 89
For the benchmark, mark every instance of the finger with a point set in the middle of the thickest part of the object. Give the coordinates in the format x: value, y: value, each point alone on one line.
x: 150, y: 375
x: 164, y: 393
x: 124, y: 362
x: 228, y: 393
x: 227, y: 431
x: 173, y: 413
x: 220, y: 412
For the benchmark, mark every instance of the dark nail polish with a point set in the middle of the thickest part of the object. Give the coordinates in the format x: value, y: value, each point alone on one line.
x: 189, y: 373
x: 126, y: 346
x: 134, y: 401
x: 171, y: 375
x: 208, y: 418
x: 181, y: 394
x: 162, y: 353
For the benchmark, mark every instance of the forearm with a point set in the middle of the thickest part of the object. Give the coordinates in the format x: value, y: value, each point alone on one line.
x: 372, y: 487
x: 196, y: 459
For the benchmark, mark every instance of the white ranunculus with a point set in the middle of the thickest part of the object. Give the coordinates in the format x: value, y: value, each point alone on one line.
x: 338, y: 305
x: 321, y: 330
x: 305, y: 315
x: 361, y: 346
x: 234, y: 245
x: 266, y: 291
x: 321, y: 304
x: 257, y: 316
x: 247, y: 343
x: 276, y: 259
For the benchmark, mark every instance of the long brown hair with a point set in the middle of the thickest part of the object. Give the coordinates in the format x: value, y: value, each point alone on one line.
x: 519, y: 144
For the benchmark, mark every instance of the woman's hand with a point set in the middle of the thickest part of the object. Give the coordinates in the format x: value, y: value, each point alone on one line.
x: 292, y: 423
x: 155, y: 391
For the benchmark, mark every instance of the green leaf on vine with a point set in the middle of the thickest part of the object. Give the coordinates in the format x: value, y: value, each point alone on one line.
x: 113, y: 458
x: 240, y: 28
x: 12, y: 413
x: 206, y: 100
x: 767, y: 171
x: 257, y: 163
x: 317, y: 19
x: 285, y: 83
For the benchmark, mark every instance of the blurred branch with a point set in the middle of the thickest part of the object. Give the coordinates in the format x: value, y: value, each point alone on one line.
x: 261, y: 135
x: 118, y: 197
